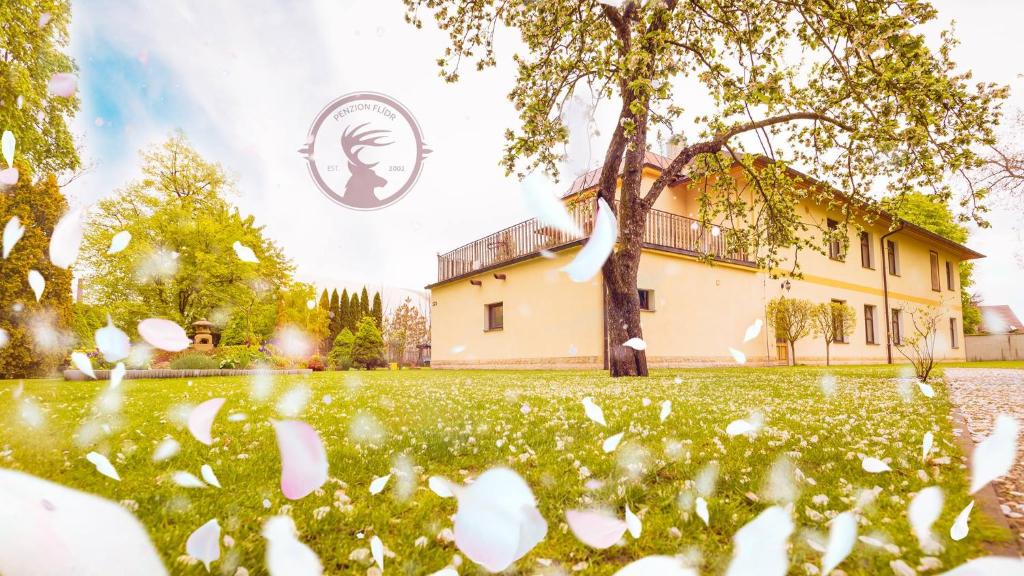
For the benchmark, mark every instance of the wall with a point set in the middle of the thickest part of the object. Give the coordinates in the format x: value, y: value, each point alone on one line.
x: 995, y: 347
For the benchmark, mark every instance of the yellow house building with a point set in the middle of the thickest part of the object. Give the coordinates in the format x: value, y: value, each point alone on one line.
x: 503, y: 302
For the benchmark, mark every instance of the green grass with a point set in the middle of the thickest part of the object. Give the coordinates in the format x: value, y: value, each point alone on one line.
x: 459, y: 423
x: 1014, y: 364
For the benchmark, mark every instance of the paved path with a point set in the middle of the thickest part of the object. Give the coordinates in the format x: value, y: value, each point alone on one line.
x: 982, y: 394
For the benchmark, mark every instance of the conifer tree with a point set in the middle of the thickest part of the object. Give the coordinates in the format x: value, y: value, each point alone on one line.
x: 368, y: 347
x: 344, y: 319
x: 377, y: 311
x: 364, y: 304
x: 354, y: 312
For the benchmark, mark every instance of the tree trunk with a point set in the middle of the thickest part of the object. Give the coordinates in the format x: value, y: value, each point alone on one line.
x: 828, y: 359
x: 792, y: 352
x: 622, y: 305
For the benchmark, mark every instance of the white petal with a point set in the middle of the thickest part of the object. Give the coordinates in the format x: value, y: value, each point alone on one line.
x: 8, y: 177
x: 874, y: 465
x: 244, y: 253
x: 591, y: 257
x: 62, y: 84
x: 958, y: 531
x: 737, y: 427
x: 82, y: 362
x: 163, y: 334
x: 37, y: 283
x: 593, y: 411
x: 760, y: 546
x: 635, y: 344
x: 4, y: 338
x: 66, y: 239
x: 13, y: 231
x: 701, y: 507
x: 7, y: 144
x: 119, y: 242
x: 633, y: 523
x: 612, y: 442
x: 842, y: 535
x: 187, y: 480
x: 738, y: 356
x: 103, y: 466
x: 166, y: 449
x: 303, y: 458
x: 440, y: 486
x: 112, y: 342
x: 926, y: 445
x: 994, y: 456
x: 753, y: 330
x: 377, y: 551
x: 923, y: 511
x: 378, y: 484
x: 595, y: 528
x: 666, y: 409
x: 656, y: 565
x: 286, y: 555
x: 49, y: 529
x: 209, y: 476
x: 116, y: 375
x: 989, y: 566
x: 545, y: 206
x: 200, y: 419
x: 926, y: 389
x: 204, y: 543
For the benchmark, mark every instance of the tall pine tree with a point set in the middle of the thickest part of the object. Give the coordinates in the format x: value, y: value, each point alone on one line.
x: 343, y: 311
x: 364, y: 304
x: 354, y: 312
x: 377, y: 311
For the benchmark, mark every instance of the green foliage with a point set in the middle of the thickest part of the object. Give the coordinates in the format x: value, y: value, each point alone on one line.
x: 377, y: 311
x: 368, y: 346
x: 32, y: 54
x: 340, y: 356
x: 342, y: 316
x: 39, y: 332
x: 194, y: 361
x: 86, y: 319
x: 240, y: 357
x: 294, y: 310
x: 791, y: 318
x: 833, y: 322
x: 354, y: 312
x: 364, y: 306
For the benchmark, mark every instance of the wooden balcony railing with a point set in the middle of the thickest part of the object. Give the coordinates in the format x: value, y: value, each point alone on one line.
x: 525, y: 239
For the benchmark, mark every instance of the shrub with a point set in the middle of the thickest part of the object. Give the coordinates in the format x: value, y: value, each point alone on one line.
x: 368, y: 347
x: 194, y: 361
x: 315, y: 363
x: 340, y: 356
x: 240, y: 357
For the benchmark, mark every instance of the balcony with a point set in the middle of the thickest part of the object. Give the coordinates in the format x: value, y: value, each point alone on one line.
x: 664, y: 231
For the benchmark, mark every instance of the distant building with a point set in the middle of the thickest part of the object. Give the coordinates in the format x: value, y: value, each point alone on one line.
x: 999, y: 320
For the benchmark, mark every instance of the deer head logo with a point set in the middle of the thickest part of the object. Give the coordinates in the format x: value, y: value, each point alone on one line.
x: 363, y: 180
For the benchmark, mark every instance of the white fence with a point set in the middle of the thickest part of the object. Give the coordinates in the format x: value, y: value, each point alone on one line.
x: 994, y: 347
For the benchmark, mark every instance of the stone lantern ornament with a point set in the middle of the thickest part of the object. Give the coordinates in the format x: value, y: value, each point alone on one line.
x: 203, y: 340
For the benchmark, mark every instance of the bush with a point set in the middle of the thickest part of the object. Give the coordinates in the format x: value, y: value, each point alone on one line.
x: 368, y: 347
x: 340, y: 356
x: 194, y: 361
x: 240, y: 357
x: 315, y: 363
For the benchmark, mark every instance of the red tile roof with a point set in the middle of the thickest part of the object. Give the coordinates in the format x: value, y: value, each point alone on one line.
x: 999, y: 319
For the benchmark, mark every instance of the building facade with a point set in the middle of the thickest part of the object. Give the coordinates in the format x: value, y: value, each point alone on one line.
x: 503, y: 302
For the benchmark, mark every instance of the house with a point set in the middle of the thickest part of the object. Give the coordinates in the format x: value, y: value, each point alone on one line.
x: 999, y: 320
x: 502, y: 301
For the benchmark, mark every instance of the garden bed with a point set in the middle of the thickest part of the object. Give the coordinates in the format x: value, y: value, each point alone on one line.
x: 79, y: 376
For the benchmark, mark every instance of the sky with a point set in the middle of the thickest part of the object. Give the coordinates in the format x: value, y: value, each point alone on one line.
x: 244, y: 81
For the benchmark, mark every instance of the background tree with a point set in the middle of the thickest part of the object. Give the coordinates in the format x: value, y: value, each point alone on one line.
x: 833, y: 322
x: 342, y: 318
x: 180, y: 263
x: 364, y: 305
x: 32, y: 48
x: 254, y: 316
x: 918, y: 344
x: 38, y: 333
x: 368, y: 346
x: 340, y: 357
x: 377, y: 311
x: 866, y: 102
x: 934, y: 215
x: 791, y: 320
x: 354, y: 312
x: 294, y: 310
x: 404, y: 329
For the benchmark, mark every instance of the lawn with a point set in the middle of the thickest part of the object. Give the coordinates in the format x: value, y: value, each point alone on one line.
x: 459, y: 423
x: 1013, y: 364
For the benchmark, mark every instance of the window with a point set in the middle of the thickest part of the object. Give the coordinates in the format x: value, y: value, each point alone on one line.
x: 839, y: 319
x: 835, y: 245
x: 892, y: 257
x: 950, y: 283
x: 646, y: 300
x: 866, y: 256
x: 495, y: 316
x: 936, y: 283
x: 869, y: 324
x: 897, y: 338
x: 954, y: 334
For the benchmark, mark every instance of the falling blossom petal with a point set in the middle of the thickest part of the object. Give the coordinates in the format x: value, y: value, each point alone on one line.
x: 842, y: 535
x: 701, y: 508
x: 656, y: 566
x: 753, y: 330
x: 37, y: 283
x: 593, y: 411
x: 738, y: 356
x: 244, y: 253
x: 286, y: 555
x: 4, y: 338
x: 378, y: 484
x: 591, y: 257
x: 8, y: 177
x: 666, y: 409
x: 545, y: 206
x: 633, y: 523
x: 163, y: 334
x: 993, y: 456
x: 635, y: 344
x: 46, y: 528
x: 926, y: 445
x: 112, y: 342
x: 612, y: 442
x: 62, y: 84
x: 377, y: 551
x: 187, y: 480
x: 82, y: 362
x: 737, y: 427
x: 923, y: 511
x: 117, y: 374
x: 760, y: 546
x: 926, y: 389
x: 119, y: 242
x: 209, y: 476
x: 103, y: 466
x: 67, y: 239
x: 874, y: 465
x: 204, y: 543
x: 497, y: 521
x: 989, y: 566
x: 166, y: 449
x: 13, y: 231
x: 958, y: 531
x: 440, y: 486
x: 7, y: 144
x: 595, y: 528
x: 303, y: 458
x: 200, y: 419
